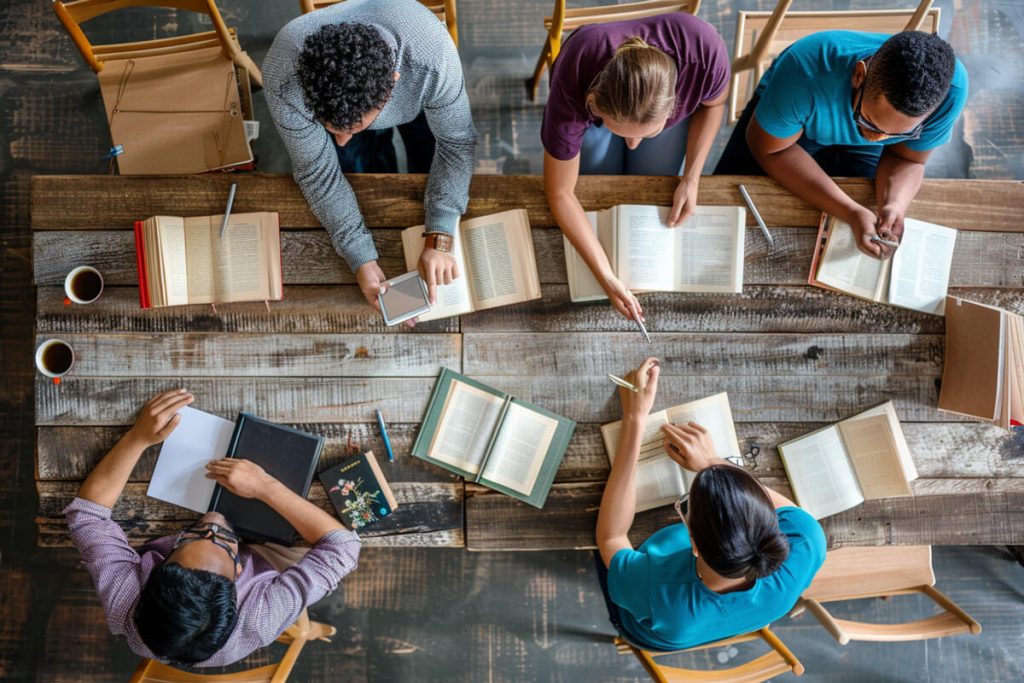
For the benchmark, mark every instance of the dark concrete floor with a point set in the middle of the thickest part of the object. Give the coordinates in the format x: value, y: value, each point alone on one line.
x: 443, y: 615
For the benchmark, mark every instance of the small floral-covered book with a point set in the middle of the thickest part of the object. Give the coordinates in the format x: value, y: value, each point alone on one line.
x: 358, y: 491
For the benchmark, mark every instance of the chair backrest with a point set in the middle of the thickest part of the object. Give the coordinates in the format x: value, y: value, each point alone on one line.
x: 73, y: 14
x: 445, y: 10
x: 774, y: 663
x: 295, y: 636
x: 563, y: 19
x: 851, y: 573
x: 761, y: 36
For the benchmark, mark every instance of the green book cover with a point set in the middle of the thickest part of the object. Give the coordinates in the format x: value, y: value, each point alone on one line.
x: 491, y: 438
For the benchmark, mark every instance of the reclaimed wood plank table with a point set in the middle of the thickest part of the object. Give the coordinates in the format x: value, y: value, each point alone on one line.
x: 791, y: 357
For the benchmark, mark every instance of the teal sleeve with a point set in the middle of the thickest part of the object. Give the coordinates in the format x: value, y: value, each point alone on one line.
x: 628, y: 583
x: 785, y: 103
x: 939, y: 127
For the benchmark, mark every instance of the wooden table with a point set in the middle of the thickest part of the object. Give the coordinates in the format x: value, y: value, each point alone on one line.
x: 790, y: 356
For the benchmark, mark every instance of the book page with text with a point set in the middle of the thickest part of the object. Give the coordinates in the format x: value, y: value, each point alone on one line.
x: 820, y: 473
x: 644, y: 247
x: 173, y: 258
x: 519, y: 449
x: 713, y: 414
x: 899, y: 439
x: 872, y: 450
x: 848, y: 269
x: 228, y: 269
x: 583, y: 286
x: 709, y: 250
x: 453, y: 299
x: 468, y: 421
x: 659, y: 480
x: 1015, y: 367
x: 921, y: 265
x: 501, y: 266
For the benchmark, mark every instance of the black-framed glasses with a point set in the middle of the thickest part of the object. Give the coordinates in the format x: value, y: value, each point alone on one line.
x: 746, y: 460
x: 912, y: 134
x: 219, y: 535
x: 682, y: 506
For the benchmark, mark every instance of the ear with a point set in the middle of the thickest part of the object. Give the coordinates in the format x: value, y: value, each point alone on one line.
x: 693, y: 547
x: 860, y: 72
x: 395, y: 76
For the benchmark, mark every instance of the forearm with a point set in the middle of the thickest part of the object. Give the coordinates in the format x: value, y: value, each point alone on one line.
x: 447, y: 192
x: 311, y: 522
x: 107, y: 480
x: 572, y: 219
x: 704, y: 125
x: 798, y: 172
x: 618, y: 503
x: 897, y: 181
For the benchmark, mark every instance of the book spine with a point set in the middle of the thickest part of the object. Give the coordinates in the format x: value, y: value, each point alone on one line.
x: 140, y: 263
x: 494, y: 437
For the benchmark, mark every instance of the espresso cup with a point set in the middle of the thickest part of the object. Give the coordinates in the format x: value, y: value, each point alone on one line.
x: 54, y: 358
x: 83, y: 285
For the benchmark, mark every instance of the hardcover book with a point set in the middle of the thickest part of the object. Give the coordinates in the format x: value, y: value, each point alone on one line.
x: 358, y: 491
x: 184, y: 261
x: 492, y: 438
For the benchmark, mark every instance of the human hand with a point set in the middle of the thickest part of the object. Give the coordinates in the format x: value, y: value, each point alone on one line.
x: 684, y: 201
x: 241, y: 477
x: 636, y: 405
x: 370, y: 278
x: 865, y: 226
x: 622, y: 299
x: 690, y: 445
x: 437, y: 268
x: 890, y: 225
x: 159, y: 417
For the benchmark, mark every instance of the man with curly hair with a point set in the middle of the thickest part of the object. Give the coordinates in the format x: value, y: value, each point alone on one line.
x: 337, y: 82
x: 844, y: 103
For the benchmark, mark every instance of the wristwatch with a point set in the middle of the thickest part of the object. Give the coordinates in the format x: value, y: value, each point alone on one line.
x: 441, y: 241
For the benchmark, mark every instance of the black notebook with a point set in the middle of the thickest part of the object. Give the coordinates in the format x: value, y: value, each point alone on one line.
x: 288, y: 455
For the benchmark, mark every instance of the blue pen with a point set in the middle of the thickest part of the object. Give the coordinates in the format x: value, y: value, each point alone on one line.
x: 384, y: 435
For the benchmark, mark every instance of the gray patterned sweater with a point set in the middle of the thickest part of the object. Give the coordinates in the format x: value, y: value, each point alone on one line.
x: 431, y: 82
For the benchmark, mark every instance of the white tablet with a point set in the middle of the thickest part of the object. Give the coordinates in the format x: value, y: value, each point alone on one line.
x: 403, y: 297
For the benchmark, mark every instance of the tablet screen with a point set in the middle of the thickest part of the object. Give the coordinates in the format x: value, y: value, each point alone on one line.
x: 404, y: 297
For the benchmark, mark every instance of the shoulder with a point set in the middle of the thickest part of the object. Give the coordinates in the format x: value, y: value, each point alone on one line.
x: 806, y: 538
x: 693, y: 27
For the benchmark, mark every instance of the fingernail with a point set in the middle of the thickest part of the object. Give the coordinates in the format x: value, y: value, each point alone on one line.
x: 656, y: 362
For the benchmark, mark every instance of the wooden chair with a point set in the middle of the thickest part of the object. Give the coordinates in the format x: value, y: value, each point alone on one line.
x: 295, y: 636
x: 444, y: 10
x: 562, y: 20
x: 859, y: 573
x: 774, y: 663
x: 761, y: 36
x: 73, y: 14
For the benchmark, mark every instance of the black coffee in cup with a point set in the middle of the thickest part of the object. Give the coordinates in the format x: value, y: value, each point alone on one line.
x: 54, y: 358
x: 86, y: 285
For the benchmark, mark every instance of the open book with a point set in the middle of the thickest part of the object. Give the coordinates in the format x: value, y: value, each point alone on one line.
x: 184, y: 260
x: 491, y: 438
x: 915, y: 277
x: 496, y: 264
x: 659, y: 480
x: 864, y: 457
x: 983, y: 375
x: 704, y: 254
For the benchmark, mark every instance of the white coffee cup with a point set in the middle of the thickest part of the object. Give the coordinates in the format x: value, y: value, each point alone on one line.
x: 55, y: 358
x: 87, y: 276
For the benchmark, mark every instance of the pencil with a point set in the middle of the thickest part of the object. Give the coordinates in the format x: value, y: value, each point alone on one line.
x: 227, y: 211
x: 384, y: 435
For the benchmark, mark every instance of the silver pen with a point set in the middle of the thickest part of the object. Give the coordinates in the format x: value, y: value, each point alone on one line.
x: 878, y: 240
x: 624, y: 383
x: 227, y: 211
x: 643, y: 330
x: 757, y: 217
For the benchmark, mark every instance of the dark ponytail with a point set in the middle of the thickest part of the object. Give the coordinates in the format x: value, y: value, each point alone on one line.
x: 734, y: 525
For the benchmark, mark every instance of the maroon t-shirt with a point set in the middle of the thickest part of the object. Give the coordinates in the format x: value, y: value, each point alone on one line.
x: 698, y: 50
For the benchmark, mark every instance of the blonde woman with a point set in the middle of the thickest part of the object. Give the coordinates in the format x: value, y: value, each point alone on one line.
x: 642, y: 97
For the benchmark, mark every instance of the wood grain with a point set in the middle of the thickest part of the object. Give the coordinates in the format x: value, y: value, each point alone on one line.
x: 496, y: 522
x: 981, y: 259
x: 147, y: 354
x: 397, y: 200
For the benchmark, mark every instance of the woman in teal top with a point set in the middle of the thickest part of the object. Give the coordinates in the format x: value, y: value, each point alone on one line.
x: 739, y: 560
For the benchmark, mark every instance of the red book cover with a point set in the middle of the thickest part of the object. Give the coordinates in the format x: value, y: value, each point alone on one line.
x: 140, y: 261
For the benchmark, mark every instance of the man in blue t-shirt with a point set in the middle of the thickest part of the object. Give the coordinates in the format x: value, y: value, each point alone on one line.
x: 740, y: 560
x: 845, y: 103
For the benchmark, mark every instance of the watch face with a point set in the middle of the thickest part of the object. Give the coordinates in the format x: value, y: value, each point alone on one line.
x: 442, y: 242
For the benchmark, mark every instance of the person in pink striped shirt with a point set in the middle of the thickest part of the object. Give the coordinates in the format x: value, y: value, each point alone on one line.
x: 200, y: 597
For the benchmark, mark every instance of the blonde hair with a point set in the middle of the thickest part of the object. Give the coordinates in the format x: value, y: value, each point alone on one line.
x: 637, y: 85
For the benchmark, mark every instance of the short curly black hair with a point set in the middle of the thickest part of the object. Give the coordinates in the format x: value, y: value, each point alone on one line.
x: 345, y: 70
x: 913, y: 69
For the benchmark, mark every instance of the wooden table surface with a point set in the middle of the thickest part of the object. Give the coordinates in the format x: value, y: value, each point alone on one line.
x: 791, y: 357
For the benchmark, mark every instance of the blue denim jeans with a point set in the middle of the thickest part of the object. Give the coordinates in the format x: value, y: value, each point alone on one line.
x: 372, y: 151
x: 604, y: 153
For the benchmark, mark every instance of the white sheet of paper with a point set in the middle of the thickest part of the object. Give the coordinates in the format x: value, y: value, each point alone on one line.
x: 179, y: 477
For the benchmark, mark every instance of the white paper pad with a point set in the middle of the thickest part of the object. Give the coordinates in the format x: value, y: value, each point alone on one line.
x: 179, y: 476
